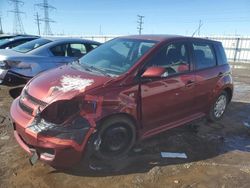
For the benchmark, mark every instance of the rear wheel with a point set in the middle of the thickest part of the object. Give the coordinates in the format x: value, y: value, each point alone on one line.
x: 115, y: 138
x: 218, y: 109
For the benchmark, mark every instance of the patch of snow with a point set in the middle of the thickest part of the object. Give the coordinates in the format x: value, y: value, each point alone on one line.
x: 247, y: 124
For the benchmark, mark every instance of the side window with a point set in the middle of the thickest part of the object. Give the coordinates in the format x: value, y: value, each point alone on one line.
x: 144, y: 47
x: 76, y: 50
x: 204, y: 55
x: 221, y: 55
x: 173, y: 57
x: 59, y: 50
x: 93, y: 46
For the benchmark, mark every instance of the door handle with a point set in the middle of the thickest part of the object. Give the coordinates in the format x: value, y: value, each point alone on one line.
x: 189, y: 83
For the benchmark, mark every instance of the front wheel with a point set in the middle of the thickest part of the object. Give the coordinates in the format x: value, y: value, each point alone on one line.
x: 219, y: 107
x: 115, y: 138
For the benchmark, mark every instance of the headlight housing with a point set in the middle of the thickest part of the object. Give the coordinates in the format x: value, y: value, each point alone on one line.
x: 60, y: 111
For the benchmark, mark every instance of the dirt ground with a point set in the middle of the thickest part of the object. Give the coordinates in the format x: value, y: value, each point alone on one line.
x: 218, y: 154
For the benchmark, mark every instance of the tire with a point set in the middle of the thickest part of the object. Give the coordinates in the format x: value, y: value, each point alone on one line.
x: 115, y: 138
x: 219, y: 107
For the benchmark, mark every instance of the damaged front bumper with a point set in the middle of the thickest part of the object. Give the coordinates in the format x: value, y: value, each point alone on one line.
x: 57, y: 145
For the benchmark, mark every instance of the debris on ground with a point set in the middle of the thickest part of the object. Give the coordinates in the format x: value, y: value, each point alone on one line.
x: 246, y: 124
x: 2, y: 118
x: 173, y: 155
x: 5, y: 137
x: 176, y: 181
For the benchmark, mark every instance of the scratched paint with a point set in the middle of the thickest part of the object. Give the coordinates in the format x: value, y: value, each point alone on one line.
x: 69, y: 83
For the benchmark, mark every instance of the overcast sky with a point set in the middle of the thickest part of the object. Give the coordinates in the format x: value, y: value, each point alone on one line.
x: 119, y: 17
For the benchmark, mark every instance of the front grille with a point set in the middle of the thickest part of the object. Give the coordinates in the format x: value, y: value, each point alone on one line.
x: 33, y: 99
x: 25, y: 108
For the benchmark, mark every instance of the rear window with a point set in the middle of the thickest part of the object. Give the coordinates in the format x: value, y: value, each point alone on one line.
x: 28, y: 46
x: 221, y: 55
x: 204, y: 55
x: 4, y: 41
x: 17, y: 42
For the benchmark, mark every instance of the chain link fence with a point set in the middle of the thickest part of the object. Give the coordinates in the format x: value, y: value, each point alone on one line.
x: 237, y: 48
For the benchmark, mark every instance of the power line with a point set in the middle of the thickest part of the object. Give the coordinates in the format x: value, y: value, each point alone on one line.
x: 46, y: 7
x: 1, y: 28
x: 17, y: 24
x: 37, y: 19
x: 140, y: 22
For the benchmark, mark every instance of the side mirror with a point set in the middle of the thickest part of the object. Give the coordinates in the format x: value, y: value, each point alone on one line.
x: 153, y: 72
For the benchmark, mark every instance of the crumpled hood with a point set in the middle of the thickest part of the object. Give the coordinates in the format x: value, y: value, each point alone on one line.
x: 63, y: 83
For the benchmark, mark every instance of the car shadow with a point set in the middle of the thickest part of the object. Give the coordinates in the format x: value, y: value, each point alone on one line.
x: 15, y: 92
x: 200, y: 141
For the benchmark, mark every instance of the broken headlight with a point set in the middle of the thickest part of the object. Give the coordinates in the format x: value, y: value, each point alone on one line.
x: 63, y: 119
x: 60, y: 111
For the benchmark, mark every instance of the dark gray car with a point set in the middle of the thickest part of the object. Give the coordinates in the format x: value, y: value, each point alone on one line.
x: 19, y: 64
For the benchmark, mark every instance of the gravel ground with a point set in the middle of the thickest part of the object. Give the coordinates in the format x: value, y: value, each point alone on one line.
x: 218, y: 154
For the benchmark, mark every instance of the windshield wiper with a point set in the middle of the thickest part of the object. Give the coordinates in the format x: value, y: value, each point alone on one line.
x: 85, y: 67
x: 90, y: 68
x: 99, y: 70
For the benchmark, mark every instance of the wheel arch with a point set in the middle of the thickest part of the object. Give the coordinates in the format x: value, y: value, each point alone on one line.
x: 229, y: 92
x: 119, y: 115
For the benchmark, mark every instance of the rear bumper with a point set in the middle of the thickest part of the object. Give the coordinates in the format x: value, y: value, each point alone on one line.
x: 55, y: 150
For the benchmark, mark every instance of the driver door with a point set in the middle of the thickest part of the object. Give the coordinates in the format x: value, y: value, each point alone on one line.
x: 169, y: 98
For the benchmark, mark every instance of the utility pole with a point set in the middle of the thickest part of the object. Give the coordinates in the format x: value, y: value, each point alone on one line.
x: 1, y: 27
x: 199, y: 28
x: 140, y: 22
x: 46, y: 8
x: 38, y: 23
x: 17, y: 25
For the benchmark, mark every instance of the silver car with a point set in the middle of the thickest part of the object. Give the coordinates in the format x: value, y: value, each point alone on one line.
x: 19, y: 64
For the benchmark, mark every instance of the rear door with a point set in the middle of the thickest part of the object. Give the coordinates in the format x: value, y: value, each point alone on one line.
x: 171, y: 97
x: 207, y: 73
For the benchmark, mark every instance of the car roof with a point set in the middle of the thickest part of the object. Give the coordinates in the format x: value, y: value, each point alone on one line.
x: 4, y: 36
x: 68, y: 39
x: 161, y: 38
x: 25, y: 37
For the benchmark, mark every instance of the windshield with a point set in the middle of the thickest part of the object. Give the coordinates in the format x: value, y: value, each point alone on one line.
x: 116, y: 56
x: 28, y: 46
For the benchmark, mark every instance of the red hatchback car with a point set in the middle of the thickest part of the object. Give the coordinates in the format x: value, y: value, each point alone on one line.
x: 128, y: 89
